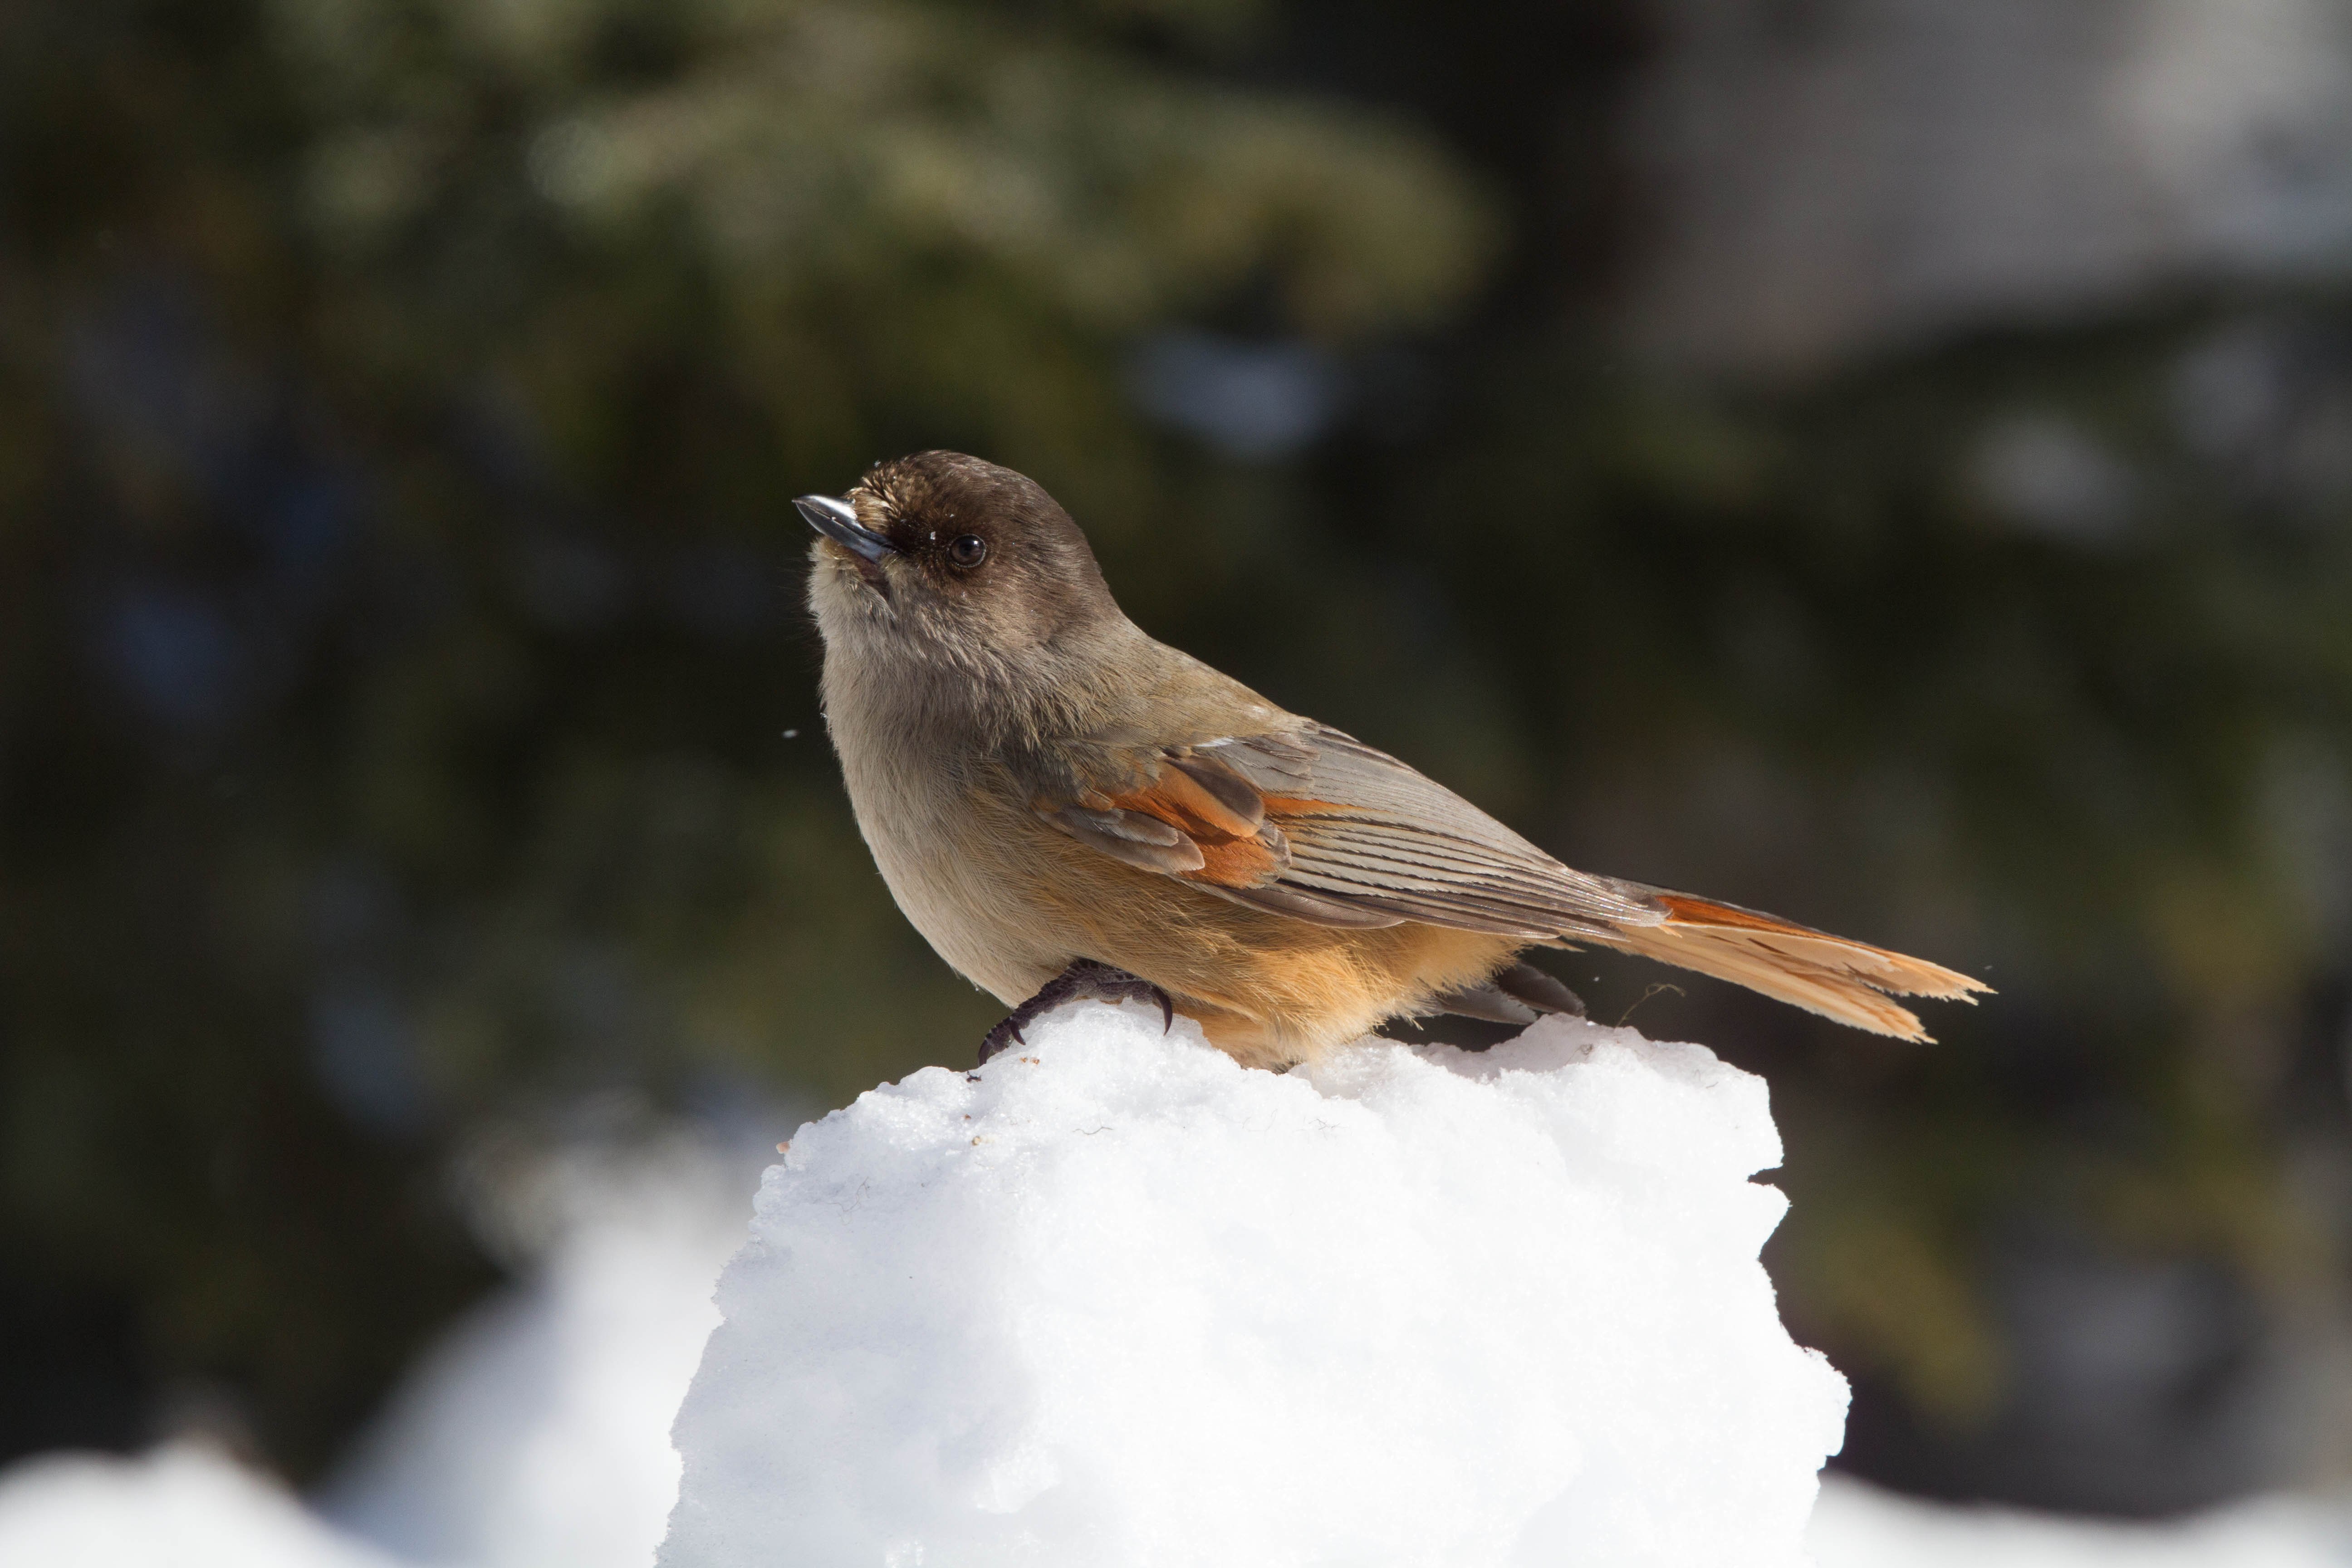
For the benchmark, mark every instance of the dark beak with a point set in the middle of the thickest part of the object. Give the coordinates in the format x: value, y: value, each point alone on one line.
x: 838, y: 521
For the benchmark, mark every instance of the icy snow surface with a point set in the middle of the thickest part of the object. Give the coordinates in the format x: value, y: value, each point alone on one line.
x: 1115, y: 1300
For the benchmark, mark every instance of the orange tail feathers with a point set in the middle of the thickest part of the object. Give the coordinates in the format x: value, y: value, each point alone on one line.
x: 1847, y: 981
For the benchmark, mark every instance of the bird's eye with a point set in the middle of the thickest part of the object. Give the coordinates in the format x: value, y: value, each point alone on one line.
x: 967, y: 550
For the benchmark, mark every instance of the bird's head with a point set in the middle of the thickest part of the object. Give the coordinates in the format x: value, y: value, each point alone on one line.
x: 950, y: 560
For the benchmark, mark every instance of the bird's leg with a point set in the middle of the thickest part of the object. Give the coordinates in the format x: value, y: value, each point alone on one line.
x: 1082, y: 979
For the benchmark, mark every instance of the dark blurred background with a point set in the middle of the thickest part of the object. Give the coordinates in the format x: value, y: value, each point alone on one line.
x: 1885, y: 461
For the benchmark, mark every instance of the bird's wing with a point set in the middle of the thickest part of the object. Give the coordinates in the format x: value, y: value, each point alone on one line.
x: 1314, y: 824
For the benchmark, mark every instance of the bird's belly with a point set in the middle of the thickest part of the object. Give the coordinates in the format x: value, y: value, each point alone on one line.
x: 945, y: 865
x: 1009, y: 902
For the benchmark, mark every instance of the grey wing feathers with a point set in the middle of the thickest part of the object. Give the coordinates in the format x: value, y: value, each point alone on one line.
x: 1370, y: 835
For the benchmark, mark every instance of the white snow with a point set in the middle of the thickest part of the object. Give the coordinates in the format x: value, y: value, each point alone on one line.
x: 535, y: 1434
x: 187, y: 1506
x: 183, y: 1506
x: 1115, y: 1300
x: 1857, y: 1526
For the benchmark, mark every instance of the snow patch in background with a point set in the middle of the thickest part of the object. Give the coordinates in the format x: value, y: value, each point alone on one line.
x: 183, y: 1506
x: 535, y: 1434
x: 1117, y: 1301
x: 1858, y: 1526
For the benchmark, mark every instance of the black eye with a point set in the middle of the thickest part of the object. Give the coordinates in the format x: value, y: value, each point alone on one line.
x: 967, y: 550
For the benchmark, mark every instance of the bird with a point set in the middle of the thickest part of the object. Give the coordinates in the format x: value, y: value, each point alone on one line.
x: 1066, y: 807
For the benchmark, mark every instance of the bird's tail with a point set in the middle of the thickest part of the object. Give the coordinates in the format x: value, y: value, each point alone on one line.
x: 1847, y: 981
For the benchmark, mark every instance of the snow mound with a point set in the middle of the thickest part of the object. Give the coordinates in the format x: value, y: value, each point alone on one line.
x: 1115, y: 1300
x: 185, y: 1506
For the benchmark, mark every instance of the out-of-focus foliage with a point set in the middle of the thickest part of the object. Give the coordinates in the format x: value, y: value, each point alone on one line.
x: 398, y: 412
x: 406, y: 721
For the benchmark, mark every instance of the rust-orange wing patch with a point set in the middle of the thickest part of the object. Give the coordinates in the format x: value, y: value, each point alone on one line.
x: 1237, y: 850
x: 1176, y: 798
x: 1200, y: 821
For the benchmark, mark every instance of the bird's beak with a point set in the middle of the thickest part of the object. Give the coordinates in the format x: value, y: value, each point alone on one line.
x: 837, y: 521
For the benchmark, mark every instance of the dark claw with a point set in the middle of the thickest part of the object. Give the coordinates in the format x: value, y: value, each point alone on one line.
x: 996, y: 1040
x: 1489, y: 1002
x: 1083, y: 978
x: 1526, y: 982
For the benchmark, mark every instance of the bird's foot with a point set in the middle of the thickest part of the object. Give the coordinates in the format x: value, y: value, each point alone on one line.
x: 1083, y: 980
x: 1518, y: 996
x: 1526, y: 982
